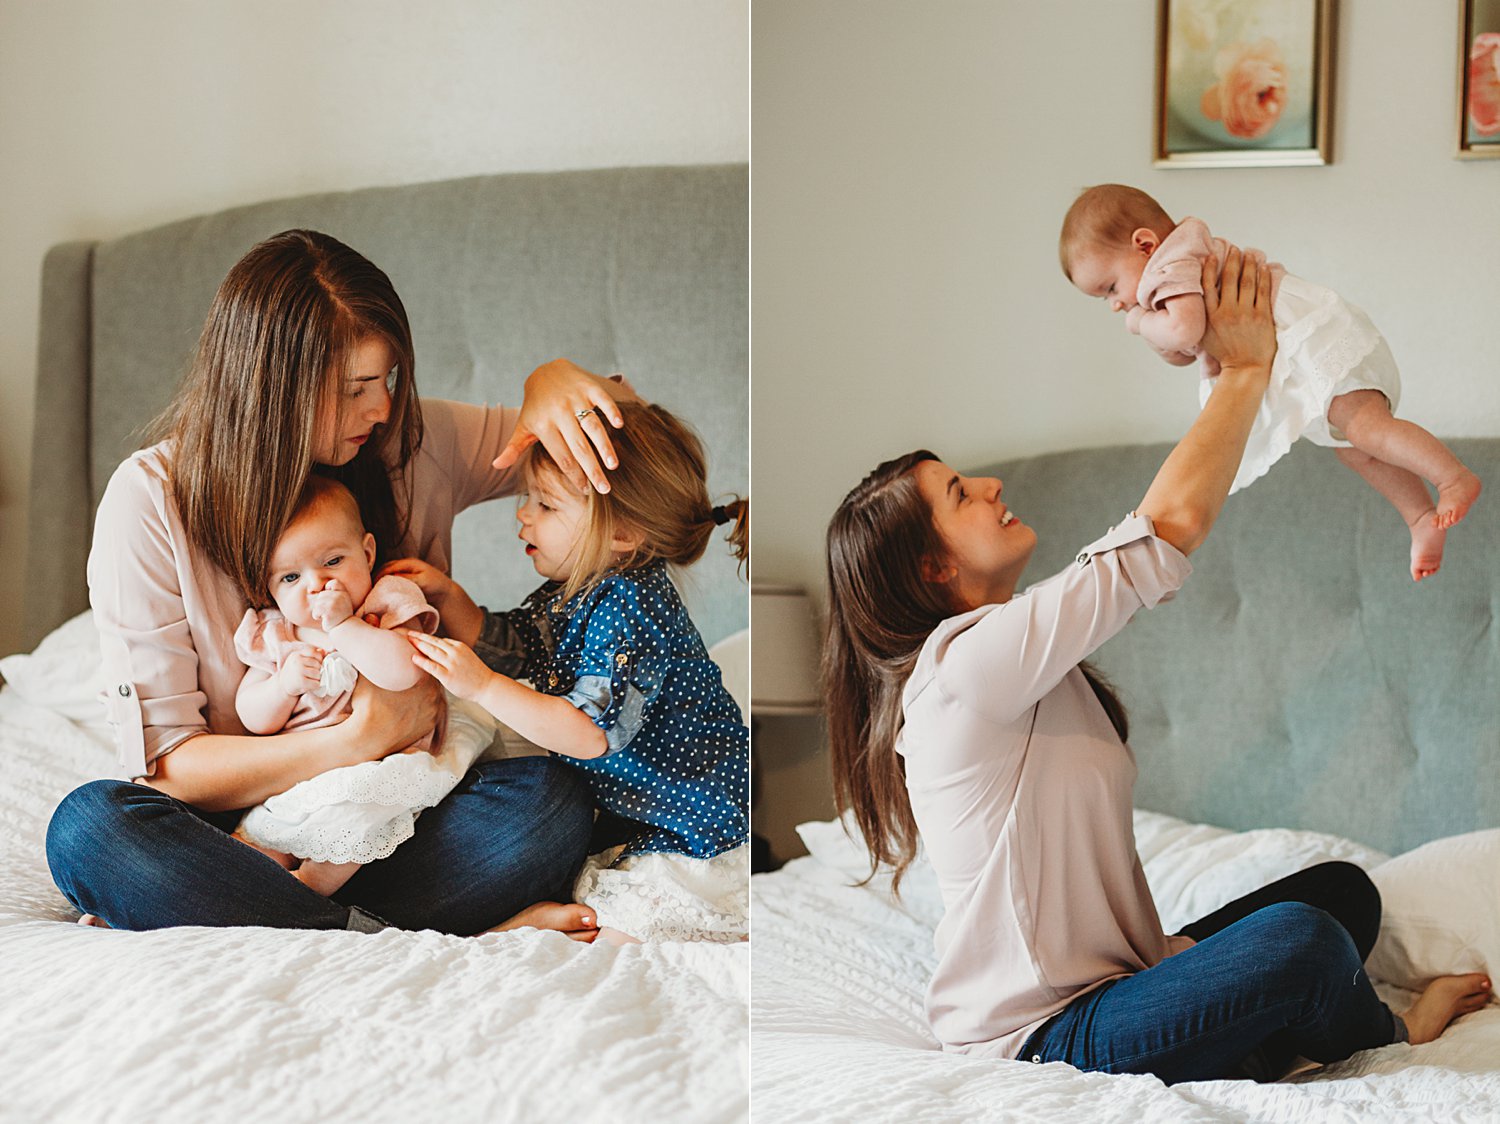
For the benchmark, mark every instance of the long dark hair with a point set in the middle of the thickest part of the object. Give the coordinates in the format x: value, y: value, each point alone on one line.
x: 282, y: 327
x: 881, y: 609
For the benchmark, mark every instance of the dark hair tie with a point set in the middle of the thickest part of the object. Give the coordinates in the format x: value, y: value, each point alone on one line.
x: 720, y: 516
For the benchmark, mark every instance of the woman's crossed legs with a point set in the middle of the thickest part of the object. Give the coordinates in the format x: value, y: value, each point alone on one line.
x: 512, y: 833
x: 1272, y: 977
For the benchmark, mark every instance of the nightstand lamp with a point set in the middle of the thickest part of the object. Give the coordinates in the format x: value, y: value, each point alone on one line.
x: 784, y: 646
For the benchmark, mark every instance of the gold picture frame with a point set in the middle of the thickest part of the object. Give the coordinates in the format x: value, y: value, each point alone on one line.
x: 1479, y: 79
x: 1244, y: 83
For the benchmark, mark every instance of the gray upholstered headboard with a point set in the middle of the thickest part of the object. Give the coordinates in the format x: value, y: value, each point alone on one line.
x: 1300, y: 679
x: 640, y: 270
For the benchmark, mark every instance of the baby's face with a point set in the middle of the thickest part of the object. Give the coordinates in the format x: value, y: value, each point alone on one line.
x: 1114, y: 275
x: 321, y: 544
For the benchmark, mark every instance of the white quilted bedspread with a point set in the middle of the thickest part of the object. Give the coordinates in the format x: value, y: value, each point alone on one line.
x: 281, y: 1026
x: 839, y: 1033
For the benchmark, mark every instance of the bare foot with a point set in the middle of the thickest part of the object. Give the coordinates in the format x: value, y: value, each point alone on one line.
x: 1427, y: 539
x: 568, y: 918
x: 91, y: 919
x: 1444, y: 1000
x: 617, y: 937
x: 1456, y: 497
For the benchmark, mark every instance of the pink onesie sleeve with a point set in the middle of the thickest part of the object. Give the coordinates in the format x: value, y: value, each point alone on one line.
x: 1019, y: 651
x: 1176, y: 268
x: 399, y: 603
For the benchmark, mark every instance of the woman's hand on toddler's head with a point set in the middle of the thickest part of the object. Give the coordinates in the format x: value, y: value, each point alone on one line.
x: 569, y: 410
x: 330, y: 606
x: 451, y: 663
x: 298, y: 673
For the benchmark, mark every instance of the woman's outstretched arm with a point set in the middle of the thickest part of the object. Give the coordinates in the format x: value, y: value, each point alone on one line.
x: 1190, y: 487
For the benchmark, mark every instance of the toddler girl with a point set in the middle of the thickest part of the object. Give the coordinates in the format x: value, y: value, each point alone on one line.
x: 621, y: 685
x: 1334, y: 380
x: 304, y: 657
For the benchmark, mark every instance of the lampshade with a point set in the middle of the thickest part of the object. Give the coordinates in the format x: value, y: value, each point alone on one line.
x: 783, y: 651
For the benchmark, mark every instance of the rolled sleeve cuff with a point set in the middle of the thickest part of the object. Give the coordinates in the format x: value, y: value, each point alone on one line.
x: 1155, y: 567
x: 595, y: 696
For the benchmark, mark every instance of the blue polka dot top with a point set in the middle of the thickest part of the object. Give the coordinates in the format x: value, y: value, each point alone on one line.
x: 626, y: 653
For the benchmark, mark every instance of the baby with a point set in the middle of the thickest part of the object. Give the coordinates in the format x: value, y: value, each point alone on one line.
x: 1334, y: 380
x: 304, y: 657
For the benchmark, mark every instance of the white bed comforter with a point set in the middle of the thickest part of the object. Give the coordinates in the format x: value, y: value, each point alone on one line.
x: 283, y: 1026
x: 839, y: 1032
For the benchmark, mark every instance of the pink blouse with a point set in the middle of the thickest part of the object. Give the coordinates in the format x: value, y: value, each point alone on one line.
x: 1021, y: 790
x: 167, y: 617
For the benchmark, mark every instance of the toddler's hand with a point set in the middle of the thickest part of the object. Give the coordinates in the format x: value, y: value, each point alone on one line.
x: 330, y: 606
x: 452, y: 664
x: 1133, y: 320
x: 298, y: 673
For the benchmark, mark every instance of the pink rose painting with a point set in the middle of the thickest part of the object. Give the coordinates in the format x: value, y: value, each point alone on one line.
x: 1484, y: 84
x: 1251, y: 90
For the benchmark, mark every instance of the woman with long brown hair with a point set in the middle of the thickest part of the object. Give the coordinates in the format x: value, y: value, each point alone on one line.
x: 961, y: 714
x: 305, y: 365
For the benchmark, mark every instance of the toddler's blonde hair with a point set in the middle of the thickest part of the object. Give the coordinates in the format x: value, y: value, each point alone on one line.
x: 1104, y: 217
x: 659, y: 492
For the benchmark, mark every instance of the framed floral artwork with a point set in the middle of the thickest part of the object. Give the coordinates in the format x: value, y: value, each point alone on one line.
x: 1479, y: 79
x: 1241, y: 83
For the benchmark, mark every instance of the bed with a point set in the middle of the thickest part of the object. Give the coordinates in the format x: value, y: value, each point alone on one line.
x: 640, y: 270
x: 1301, y: 696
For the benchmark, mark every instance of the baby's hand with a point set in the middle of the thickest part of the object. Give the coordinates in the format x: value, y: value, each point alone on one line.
x: 330, y: 606
x: 452, y: 664
x: 434, y: 584
x: 298, y: 673
x: 1133, y: 320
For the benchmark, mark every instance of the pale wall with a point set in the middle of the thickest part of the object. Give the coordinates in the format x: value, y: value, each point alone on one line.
x: 116, y: 117
x: 912, y: 164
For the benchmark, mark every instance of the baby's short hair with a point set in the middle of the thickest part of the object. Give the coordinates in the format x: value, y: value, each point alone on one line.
x: 1104, y: 217
x: 322, y: 493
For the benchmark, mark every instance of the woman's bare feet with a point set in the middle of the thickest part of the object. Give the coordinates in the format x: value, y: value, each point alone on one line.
x: 1427, y: 540
x: 568, y: 918
x: 1444, y: 999
x: 1455, y: 497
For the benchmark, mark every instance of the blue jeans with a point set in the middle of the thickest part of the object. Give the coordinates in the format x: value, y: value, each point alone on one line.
x: 1265, y: 984
x: 512, y: 833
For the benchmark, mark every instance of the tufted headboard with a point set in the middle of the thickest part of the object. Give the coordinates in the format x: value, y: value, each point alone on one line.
x: 640, y: 270
x: 1300, y: 678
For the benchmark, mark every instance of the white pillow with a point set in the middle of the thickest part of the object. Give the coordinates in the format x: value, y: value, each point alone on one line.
x: 63, y: 674
x: 1441, y: 911
x: 1194, y: 869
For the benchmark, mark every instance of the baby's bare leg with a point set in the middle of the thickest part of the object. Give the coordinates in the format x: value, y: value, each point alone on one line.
x: 325, y: 878
x: 1365, y: 418
x: 280, y: 858
x: 1408, y: 495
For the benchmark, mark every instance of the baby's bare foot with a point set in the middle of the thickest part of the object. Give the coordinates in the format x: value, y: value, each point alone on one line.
x: 1444, y: 999
x: 1456, y: 496
x: 1427, y: 539
x: 617, y: 937
x: 568, y: 918
x: 92, y: 919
